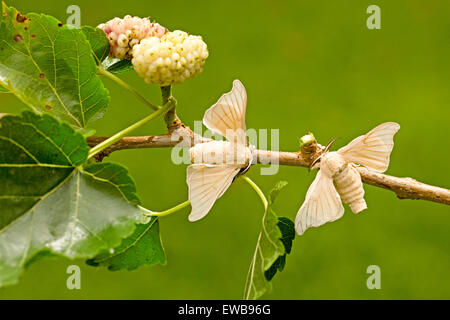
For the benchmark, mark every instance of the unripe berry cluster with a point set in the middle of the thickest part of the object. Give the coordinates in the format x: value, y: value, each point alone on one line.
x: 171, y: 59
x: 124, y: 34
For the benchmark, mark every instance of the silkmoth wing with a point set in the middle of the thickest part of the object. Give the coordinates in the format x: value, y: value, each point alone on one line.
x: 206, y: 184
x: 373, y: 149
x: 322, y: 204
x: 227, y: 115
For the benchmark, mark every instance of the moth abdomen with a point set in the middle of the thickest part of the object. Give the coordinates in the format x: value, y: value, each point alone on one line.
x: 220, y: 152
x: 349, y: 186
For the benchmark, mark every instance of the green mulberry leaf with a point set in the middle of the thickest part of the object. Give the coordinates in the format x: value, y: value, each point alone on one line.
x: 274, y: 242
x: 50, y: 67
x: 142, y: 248
x: 51, y: 200
x: 287, y: 229
x: 117, y: 66
x: 98, y: 41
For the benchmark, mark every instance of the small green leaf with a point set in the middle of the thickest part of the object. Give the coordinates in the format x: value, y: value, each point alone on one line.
x: 117, y: 66
x: 287, y: 229
x: 276, y: 190
x: 278, y: 265
x: 44, y: 254
x: 50, y: 67
x: 87, y: 132
x: 142, y: 248
x: 274, y: 241
x: 98, y: 41
x: 51, y: 200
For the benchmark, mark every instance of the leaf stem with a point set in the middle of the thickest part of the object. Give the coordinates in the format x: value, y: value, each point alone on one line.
x: 126, y: 86
x: 150, y: 213
x: 108, y: 142
x: 258, y: 191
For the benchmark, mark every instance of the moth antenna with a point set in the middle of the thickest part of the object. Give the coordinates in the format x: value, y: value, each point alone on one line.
x: 314, y: 162
x: 323, y: 152
x: 330, y: 144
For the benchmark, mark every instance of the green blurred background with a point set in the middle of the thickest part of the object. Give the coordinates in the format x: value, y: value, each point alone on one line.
x: 307, y: 66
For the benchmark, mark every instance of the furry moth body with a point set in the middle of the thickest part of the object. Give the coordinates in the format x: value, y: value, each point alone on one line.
x: 346, y: 180
x: 220, y: 152
x: 339, y: 182
x: 216, y: 163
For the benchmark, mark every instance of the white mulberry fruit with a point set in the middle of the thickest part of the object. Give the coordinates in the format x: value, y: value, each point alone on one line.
x: 124, y: 34
x: 171, y: 59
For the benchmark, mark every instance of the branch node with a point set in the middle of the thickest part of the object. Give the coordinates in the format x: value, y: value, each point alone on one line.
x: 309, y: 148
x: 101, y: 155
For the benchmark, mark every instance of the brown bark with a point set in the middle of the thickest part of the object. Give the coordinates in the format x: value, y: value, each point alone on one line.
x: 405, y: 188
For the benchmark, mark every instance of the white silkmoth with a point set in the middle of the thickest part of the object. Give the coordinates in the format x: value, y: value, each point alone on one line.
x: 339, y: 181
x: 216, y: 163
